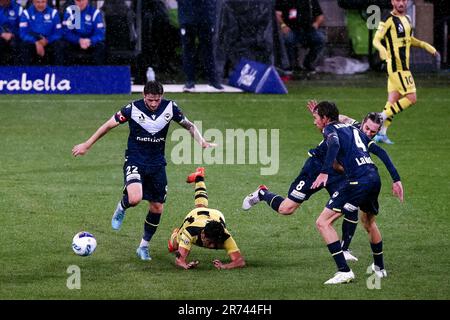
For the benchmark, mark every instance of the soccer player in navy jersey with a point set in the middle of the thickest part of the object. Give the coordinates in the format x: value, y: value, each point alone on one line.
x: 350, y: 147
x: 144, y: 169
x: 300, y: 189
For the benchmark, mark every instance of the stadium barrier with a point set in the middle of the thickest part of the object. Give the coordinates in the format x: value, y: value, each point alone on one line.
x: 65, y: 80
x: 256, y: 77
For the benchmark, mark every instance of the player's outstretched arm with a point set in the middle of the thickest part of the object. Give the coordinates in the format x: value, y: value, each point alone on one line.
x: 193, y: 130
x: 82, y: 148
x: 181, y: 256
x: 346, y: 119
x: 237, y: 261
x: 424, y: 45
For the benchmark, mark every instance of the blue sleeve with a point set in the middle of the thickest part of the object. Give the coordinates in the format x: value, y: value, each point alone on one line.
x: 69, y: 34
x: 178, y: 115
x: 24, y: 26
x: 380, y: 153
x: 333, y: 144
x: 99, y: 27
x: 57, y: 30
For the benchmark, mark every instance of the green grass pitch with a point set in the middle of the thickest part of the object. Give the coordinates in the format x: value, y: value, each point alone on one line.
x: 46, y: 196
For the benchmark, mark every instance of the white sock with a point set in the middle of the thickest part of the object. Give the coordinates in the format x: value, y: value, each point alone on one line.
x: 384, y: 116
x: 143, y: 243
x: 383, y: 130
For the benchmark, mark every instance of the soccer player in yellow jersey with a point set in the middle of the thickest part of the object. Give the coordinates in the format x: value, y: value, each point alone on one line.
x: 396, y: 32
x: 203, y: 227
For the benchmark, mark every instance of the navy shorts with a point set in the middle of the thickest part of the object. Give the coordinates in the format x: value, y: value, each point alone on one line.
x: 152, y: 178
x: 361, y: 193
x: 300, y: 189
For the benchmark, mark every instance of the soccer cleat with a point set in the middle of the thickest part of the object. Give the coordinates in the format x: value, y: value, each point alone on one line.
x: 349, y: 256
x: 382, y: 138
x: 117, y: 218
x: 252, y: 198
x: 199, y: 172
x: 380, y: 273
x: 171, y: 241
x: 142, y: 252
x: 341, y: 277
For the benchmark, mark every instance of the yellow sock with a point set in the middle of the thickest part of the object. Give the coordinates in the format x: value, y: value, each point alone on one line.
x: 387, y: 122
x: 200, y: 196
x: 392, y: 109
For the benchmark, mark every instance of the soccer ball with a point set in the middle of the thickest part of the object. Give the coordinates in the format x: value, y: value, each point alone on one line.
x: 84, y: 243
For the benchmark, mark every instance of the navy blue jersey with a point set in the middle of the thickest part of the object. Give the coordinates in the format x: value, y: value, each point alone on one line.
x: 350, y: 147
x: 148, y: 130
x: 321, y: 150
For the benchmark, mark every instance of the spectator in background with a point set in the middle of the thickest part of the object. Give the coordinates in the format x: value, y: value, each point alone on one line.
x: 40, y: 31
x: 197, y: 20
x: 299, y: 23
x: 10, y: 13
x: 85, y: 41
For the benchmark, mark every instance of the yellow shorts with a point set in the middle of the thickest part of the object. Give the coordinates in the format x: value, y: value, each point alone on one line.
x: 401, y: 81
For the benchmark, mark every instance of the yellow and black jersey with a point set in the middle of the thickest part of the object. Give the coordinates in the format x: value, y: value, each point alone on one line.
x: 395, y: 32
x: 193, y: 224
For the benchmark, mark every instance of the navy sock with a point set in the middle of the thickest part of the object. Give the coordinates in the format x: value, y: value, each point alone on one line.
x: 348, y: 229
x: 272, y: 199
x: 377, y: 250
x: 336, y: 251
x: 150, y: 225
x: 124, y: 202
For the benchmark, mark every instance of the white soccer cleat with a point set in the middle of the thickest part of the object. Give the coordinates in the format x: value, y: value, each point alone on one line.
x: 341, y: 277
x: 252, y: 198
x: 380, y: 273
x: 349, y: 256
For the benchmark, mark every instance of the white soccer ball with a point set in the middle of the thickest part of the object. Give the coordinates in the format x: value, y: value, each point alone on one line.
x: 84, y: 243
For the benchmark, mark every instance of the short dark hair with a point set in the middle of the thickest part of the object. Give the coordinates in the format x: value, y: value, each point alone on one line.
x: 215, y: 232
x: 327, y: 109
x: 154, y: 87
x: 375, y: 117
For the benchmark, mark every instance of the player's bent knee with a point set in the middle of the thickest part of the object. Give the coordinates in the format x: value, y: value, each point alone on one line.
x: 321, y: 224
x: 412, y: 98
x: 134, y: 201
x: 156, y: 207
x: 288, y: 207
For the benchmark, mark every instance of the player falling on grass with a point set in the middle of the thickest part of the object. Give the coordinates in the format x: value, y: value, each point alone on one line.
x: 203, y: 227
x: 145, y: 164
x: 300, y: 189
x: 396, y: 32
